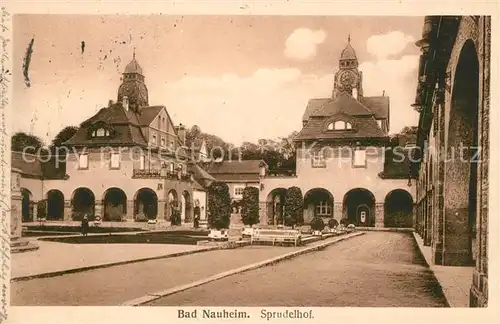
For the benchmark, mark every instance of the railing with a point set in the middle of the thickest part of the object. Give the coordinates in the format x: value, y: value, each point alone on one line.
x: 281, y: 173
x: 160, y: 174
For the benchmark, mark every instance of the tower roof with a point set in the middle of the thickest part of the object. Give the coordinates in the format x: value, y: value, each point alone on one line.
x: 348, y: 53
x: 133, y: 67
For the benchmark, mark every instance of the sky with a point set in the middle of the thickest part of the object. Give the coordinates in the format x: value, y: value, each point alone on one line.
x: 239, y: 77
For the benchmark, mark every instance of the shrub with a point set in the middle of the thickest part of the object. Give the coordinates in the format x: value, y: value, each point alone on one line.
x: 219, y: 205
x: 250, y: 206
x: 317, y: 224
x: 344, y: 222
x: 290, y: 221
x: 294, y: 205
x: 333, y: 223
x: 175, y: 218
x: 41, y: 209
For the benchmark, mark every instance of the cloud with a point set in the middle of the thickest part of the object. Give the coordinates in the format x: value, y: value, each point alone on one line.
x: 398, y: 79
x: 302, y: 43
x: 265, y: 104
x: 385, y: 45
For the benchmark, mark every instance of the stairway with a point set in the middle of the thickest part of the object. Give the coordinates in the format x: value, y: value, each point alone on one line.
x: 18, y: 245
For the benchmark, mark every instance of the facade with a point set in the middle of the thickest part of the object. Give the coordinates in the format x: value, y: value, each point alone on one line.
x: 125, y: 163
x: 453, y: 99
x: 344, y: 169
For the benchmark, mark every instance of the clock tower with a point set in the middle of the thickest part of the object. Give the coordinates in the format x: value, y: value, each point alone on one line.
x: 348, y: 78
x: 133, y: 87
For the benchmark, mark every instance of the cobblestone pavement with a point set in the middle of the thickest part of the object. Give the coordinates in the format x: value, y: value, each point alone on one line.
x: 115, y: 285
x: 376, y: 269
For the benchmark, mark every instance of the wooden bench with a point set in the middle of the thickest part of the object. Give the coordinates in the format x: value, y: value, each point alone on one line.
x: 276, y: 236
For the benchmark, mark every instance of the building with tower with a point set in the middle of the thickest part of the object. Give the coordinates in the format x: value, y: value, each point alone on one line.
x: 345, y: 167
x: 125, y: 163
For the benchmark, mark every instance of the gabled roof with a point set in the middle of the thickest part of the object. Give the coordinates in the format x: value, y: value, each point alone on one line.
x: 200, y: 175
x: 31, y: 166
x: 148, y: 114
x: 362, y: 127
x: 235, y: 167
x: 343, y: 103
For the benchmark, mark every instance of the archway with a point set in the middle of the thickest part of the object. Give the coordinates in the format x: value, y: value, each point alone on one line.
x: 27, y: 205
x: 186, y: 207
x: 55, y: 205
x: 461, y: 163
x: 115, y: 205
x: 317, y: 202
x: 359, y: 207
x: 145, y: 204
x: 398, y: 209
x: 275, y: 206
x: 83, y: 202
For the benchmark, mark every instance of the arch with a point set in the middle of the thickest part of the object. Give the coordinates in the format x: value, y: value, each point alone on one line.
x: 317, y: 202
x: 82, y: 202
x: 55, y: 205
x: 275, y: 206
x: 359, y: 204
x: 172, y: 203
x: 115, y: 204
x: 398, y: 209
x: 460, y: 167
x: 27, y: 205
x: 145, y: 204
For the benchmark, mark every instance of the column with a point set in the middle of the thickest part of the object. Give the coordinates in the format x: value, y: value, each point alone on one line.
x: 130, y: 211
x: 35, y: 211
x: 160, y: 216
x: 379, y: 215
x: 99, y: 209
x: 67, y: 210
x: 262, y: 213
x: 338, y: 212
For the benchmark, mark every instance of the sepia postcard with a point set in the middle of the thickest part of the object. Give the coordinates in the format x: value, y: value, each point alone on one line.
x: 270, y: 162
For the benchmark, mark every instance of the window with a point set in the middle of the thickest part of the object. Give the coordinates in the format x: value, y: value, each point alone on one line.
x: 162, y: 141
x: 359, y: 158
x: 171, y: 167
x: 100, y: 132
x: 153, y: 140
x: 323, y: 209
x: 318, y: 160
x: 115, y: 161
x: 339, y: 125
x: 379, y: 122
x: 171, y: 144
x: 238, y: 191
x: 142, y: 162
x: 159, y: 122
x: 330, y: 126
x: 83, y: 161
x: 348, y: 126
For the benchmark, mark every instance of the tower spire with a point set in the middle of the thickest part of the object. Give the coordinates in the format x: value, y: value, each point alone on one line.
x: 134, y: 53
x: 349, y: 38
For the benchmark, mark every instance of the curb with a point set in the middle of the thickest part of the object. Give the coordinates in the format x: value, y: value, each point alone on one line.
x: 157, y: 295
x: 429, y: 265
x: 112, y: 264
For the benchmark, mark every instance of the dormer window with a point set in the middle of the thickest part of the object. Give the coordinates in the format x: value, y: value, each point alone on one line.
x: 101, y: 132
x: 339, y: 125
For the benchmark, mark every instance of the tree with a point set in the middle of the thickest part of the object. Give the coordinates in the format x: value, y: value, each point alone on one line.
x: 294, y: 205
x: 219, y: 205
x: 21, y: 141
x: 250, y: 206
x: 65, y: 134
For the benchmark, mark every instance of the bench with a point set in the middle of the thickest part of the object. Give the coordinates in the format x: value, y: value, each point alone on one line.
x: 276, y: 236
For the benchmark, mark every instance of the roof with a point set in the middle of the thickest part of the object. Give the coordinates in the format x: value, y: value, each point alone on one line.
x: 133, y: 67
x: 348, y: 53
x: 362, y: 127
x: 313, y: 105
x: 31, y: 166
x: 235, y: 167
x: 343, y: 103
x: 237, y: 177
x: 148, y: 114
x: 201, y: 176
x: 378, y: 104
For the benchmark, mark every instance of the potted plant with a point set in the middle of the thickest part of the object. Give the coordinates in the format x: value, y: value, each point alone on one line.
x: 333, y: 224
x: 41, y: 210
x: 317, y: 225
x: 350, y: 228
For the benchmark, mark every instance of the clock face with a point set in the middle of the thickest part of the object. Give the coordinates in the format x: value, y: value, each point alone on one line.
x: 347, y: 78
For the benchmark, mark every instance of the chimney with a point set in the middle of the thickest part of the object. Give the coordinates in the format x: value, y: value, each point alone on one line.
x: 125, y: 103
x: 110, y: 103
x: 383, y: 93
x: 181, y: 132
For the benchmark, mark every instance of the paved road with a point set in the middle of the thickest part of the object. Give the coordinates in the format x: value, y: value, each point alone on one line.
x: 115, y: 285
x: 379, y: 269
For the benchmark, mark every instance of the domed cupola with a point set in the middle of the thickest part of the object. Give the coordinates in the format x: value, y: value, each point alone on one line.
x: 133, y: 86
x: 348, y: 57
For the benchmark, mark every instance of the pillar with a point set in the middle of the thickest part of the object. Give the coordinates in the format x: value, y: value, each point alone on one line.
x: 67, y: 210
x: 338, y: 211
x: 379, y: 215
x: 35, y: 210
x: 16, y: 205
x: 98, y: 209
x: 130, y: 211
x: 263, y: 213
x: 161, y: 210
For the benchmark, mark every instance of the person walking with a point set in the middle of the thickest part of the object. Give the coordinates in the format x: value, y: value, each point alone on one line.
x: 85, y: 225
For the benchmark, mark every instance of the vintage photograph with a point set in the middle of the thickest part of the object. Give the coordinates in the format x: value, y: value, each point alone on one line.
x: 249, y: 160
